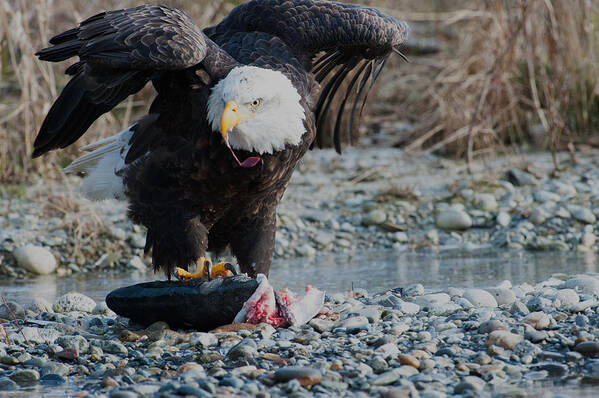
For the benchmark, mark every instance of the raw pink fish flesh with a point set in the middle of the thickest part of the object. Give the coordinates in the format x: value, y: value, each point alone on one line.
x: 280, y: 309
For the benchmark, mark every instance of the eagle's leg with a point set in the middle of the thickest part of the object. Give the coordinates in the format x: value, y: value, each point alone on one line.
x: 205, y: 269
x: 253, y: 242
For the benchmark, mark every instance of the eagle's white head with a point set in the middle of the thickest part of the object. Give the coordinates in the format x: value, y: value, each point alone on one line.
x: 256, y: 110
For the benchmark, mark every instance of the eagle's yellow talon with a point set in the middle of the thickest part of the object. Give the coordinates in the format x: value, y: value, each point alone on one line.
x: 205, y: 269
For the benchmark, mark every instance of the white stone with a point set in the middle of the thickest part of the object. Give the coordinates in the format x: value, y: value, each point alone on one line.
x: 504, y: 339
x: 502, y: 296
x: 74, y: 301
x: 485, y: 201
x: 582, y: 284
x: 40, y: 305
x: 588, y: 239
x: 452, y: 219
x: 203, y: 339
x: 37, y: 335
x: 503, y: 219
x: 36, y: 259
x: 582, y: 214
x: 546, y: 196
x: 567, y: 297
x: 480, y: 298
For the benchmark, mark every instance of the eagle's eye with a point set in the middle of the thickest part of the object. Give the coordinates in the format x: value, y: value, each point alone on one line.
x: 255, y: 104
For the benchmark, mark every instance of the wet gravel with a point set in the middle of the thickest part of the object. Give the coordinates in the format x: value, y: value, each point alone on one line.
x: 406, y: 342
x: 503, y: 341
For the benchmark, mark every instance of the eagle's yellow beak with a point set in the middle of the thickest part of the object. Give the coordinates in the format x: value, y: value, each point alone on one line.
x: 230, y: 118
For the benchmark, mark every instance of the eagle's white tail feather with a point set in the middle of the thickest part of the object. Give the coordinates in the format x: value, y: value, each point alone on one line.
x: 97, y: 144
x: 104, y: 164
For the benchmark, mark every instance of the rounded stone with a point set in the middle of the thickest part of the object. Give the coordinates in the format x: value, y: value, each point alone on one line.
x: 36, y: 259
x: 76, y: 342
x: 470, y: 383
x: 538, y: 320
x: 590, y: 348
x: 39, y: 305
x: 503, y: 219
x: 583, y: 214
x: 583, y: 284
x: 74, y: 302
x: 25, y: 377
x: 407, y: 359
x: 491, y: 326
x: 537, y: 216
x: 503, y: 339
x: 374, y: 217
x: 502, y: 296
x: 453, y: 219
x: 296, y: 372
x: 480, y: 298
x: 485, y: 202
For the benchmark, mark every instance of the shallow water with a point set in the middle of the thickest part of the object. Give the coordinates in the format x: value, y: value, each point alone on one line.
x: 374, y: 271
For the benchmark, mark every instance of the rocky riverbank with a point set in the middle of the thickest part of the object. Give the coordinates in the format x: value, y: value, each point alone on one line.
x: 366, y: 199
x: 506, y: 341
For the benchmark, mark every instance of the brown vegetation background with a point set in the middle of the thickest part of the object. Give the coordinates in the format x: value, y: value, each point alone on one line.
x: 485, y: 75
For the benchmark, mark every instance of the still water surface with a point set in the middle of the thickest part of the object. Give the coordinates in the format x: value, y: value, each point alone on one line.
x: 374, y: 271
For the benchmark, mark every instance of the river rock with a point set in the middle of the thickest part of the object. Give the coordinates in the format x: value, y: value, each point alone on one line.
x: 588, y: 239
x: 453, y: 219
x: 485, y: 202
x: 582, y: 214
x: 590, y: 348
x: 13, y: 310
x: 246, y: 348
x: 503, y: 218
x: 25, y: 377
x: 520, y: 178
x: 7, y: 384
x: 74, y: 302
x: 470, y: 384
x: 491, y: 326
x: 567, y: 297
x: 39, y: 305
x: 38, y: 335
x: 480, y: 298
x: 303, y: 374
x: 503, y: 339
x: 76, y: 342
x: 546, y: 196
x: 374, y: 217
x: 432, y: 299
x: 583, y: 284
x: 36, y: 259
x: 502, y: 296
x: 203, y: 339
x: 538, y: 320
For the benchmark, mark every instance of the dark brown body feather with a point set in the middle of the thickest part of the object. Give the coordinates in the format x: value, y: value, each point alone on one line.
x: 182, y: 183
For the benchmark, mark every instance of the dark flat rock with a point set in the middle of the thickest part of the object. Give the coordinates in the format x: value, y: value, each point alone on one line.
x: 198, y: 304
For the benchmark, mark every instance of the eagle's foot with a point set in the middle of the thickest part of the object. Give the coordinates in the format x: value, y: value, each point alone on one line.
x: 207, y: 270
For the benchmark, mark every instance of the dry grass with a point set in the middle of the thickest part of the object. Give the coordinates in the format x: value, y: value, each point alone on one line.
x: 524, y: 71
x: 510, y: 72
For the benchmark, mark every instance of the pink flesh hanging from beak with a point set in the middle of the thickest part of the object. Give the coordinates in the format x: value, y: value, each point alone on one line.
x: 248, y: 163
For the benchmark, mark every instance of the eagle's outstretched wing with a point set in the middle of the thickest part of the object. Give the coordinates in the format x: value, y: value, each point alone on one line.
x: 354, y: 42
x: 119, y: 52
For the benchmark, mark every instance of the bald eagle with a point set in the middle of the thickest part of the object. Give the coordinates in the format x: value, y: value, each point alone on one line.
x: 238, y: 104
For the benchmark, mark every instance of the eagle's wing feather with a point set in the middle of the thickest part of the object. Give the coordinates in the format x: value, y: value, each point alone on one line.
x: 355, y: 41
x: 119, y: 52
